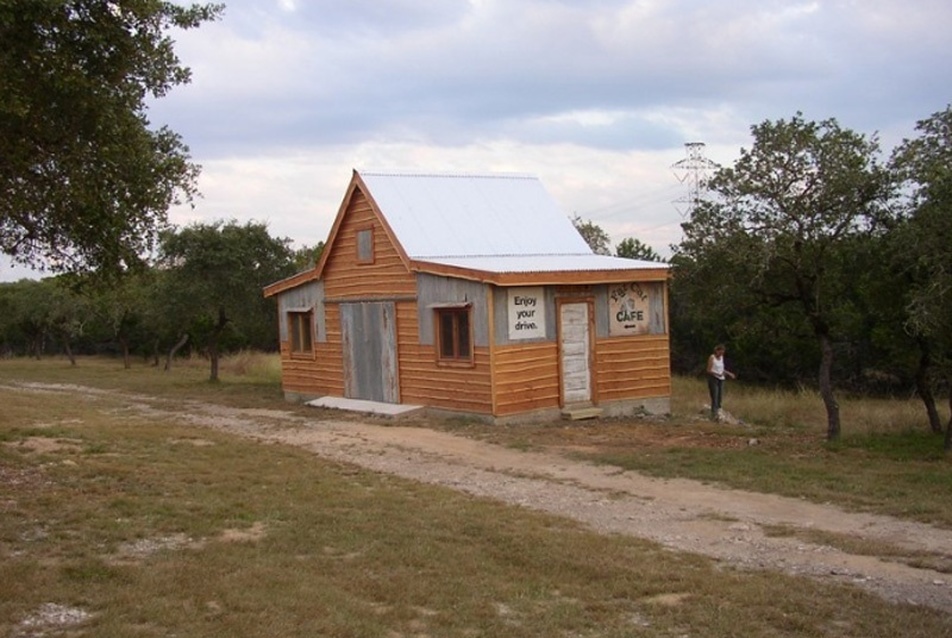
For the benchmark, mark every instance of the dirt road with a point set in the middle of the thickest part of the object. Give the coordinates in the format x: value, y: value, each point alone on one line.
x: 684, y: 515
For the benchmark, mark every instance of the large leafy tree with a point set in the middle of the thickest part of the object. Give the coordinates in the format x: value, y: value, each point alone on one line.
x: 593, y: 234
x: 772, y: 237
x: 306, y: 257
x: 632, y: 248
x: 85, y: 183
x: 925, y: 239
x: 26, y: 308
x: 213, y: 277
x: 121, y: 307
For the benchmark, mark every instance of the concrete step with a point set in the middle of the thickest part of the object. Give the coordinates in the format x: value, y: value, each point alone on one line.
x: 579, y: 413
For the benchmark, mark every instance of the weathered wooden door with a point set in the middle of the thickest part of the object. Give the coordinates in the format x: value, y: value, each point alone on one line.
x: 575, y: 352
x: 368, y: 332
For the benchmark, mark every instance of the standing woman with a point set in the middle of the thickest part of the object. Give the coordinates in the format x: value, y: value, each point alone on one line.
x: 715, y: 378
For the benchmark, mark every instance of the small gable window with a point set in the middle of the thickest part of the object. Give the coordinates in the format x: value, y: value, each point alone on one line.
x: 454, y: 337
x: 365, y: 246
x: 300, y: 332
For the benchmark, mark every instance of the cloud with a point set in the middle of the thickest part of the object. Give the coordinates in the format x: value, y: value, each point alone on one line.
x: 597, y: 97
x: 443, y: 73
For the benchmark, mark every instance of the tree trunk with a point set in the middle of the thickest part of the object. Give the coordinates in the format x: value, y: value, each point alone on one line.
x: 69, y: 350
x: 174, y: 350
x: 924, y: 388
x: 948, y: 428
x: 124, y: 345
x: 213, y: 356
x: 826, y: 387
x: 213, y: 344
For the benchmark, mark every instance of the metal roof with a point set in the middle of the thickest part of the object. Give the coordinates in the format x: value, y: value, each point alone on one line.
x: 443, y: 215
x: 524, y: 264
x: 501, y: 224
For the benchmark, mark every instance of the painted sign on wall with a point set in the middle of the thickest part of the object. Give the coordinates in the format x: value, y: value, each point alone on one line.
x: 629, y: 309
x: 526, y: 313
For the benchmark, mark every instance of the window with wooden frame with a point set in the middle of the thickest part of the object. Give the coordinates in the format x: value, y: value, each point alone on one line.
x: 454, y: 335
x: 301, y: 331
x: 365, y: 246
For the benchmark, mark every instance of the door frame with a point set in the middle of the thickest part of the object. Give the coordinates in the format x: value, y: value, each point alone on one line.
x: 356, y: 339
x: 589, y: 302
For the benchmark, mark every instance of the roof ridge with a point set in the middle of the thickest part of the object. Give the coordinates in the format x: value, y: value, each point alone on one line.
x: 446, y: 174
x: 497, y: 255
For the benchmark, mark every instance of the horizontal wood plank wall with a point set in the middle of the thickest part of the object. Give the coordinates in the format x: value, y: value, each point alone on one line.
x: 526, y: 377
x: 295, y: 373
x: 330, y: 355
x: 633, y: 367
x: 322, y: 374
x: 387, y: 276
x: 423, y: 382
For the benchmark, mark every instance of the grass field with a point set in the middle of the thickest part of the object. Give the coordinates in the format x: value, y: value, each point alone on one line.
x: 119, y: 524
x: 886, y: 462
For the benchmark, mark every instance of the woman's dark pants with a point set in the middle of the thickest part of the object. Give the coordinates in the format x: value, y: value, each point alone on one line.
x: 716, y: 387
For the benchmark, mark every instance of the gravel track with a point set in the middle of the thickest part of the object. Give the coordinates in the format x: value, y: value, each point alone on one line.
x: 680, y: 514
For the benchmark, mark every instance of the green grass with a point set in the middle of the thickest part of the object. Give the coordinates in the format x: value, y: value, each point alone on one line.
x: 138, y: 520
x: 886, y: 461
x: 245, y: 379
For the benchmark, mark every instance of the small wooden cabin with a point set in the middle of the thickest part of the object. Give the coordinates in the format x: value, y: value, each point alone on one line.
x: 472, y: 294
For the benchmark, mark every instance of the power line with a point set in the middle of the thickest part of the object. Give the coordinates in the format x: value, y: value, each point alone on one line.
x: 692, y: 170
x: 659, y: 196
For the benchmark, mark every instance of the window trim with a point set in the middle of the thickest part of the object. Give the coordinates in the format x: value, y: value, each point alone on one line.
x: 455, y: 310
x: 297, y: 318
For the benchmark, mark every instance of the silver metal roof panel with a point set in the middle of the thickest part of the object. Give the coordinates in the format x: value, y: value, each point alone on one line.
x: 470, y: 215
x: 522, y: 264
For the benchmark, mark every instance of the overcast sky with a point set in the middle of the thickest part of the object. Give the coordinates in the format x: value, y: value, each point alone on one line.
x: 595, y: 97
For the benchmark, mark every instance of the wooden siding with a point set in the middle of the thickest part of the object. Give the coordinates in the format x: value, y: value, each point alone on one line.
x: 632, y: 368
x: 508, y: 377
x: 331, y: 356
x: 424, y: 382
x: 385, y: 276
x: 315, y: 376
x: 526, y: 377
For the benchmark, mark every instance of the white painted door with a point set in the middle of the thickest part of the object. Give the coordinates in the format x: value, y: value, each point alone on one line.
x: 575, y: 353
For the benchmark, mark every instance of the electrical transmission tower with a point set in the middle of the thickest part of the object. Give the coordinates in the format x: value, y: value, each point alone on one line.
x: 693, y: 170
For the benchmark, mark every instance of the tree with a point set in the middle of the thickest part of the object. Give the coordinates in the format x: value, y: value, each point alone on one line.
x: 68, y: 311
x: 86, y: 183
x: 924, y: 165
x: 122, y: 306
x: 25, y: 305
x: 306, y: 257
x: 214, y: 276
x: 781, y: 216
x: 596, y: 238
x: 631, y: 248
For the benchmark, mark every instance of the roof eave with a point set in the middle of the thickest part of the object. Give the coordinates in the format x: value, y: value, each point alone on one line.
x: 291, y: 282
x: 544, y: 278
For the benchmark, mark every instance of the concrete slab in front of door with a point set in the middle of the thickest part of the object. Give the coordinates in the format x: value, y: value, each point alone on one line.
x: 579, y: 413
x: 370, y: 407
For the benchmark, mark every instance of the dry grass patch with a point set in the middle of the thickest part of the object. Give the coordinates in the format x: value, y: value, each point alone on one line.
x: 936, y: 561
x: 44, y: 445
x: 332, y: 550
x: 887, y: 462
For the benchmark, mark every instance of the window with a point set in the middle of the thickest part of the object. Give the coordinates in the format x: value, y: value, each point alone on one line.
x: 454, y: 342
x: 365, y: 246
x: 300, y: 331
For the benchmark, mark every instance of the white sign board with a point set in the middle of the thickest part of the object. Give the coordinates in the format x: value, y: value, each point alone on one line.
x: 628, y: 308
x: 526, y: 313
